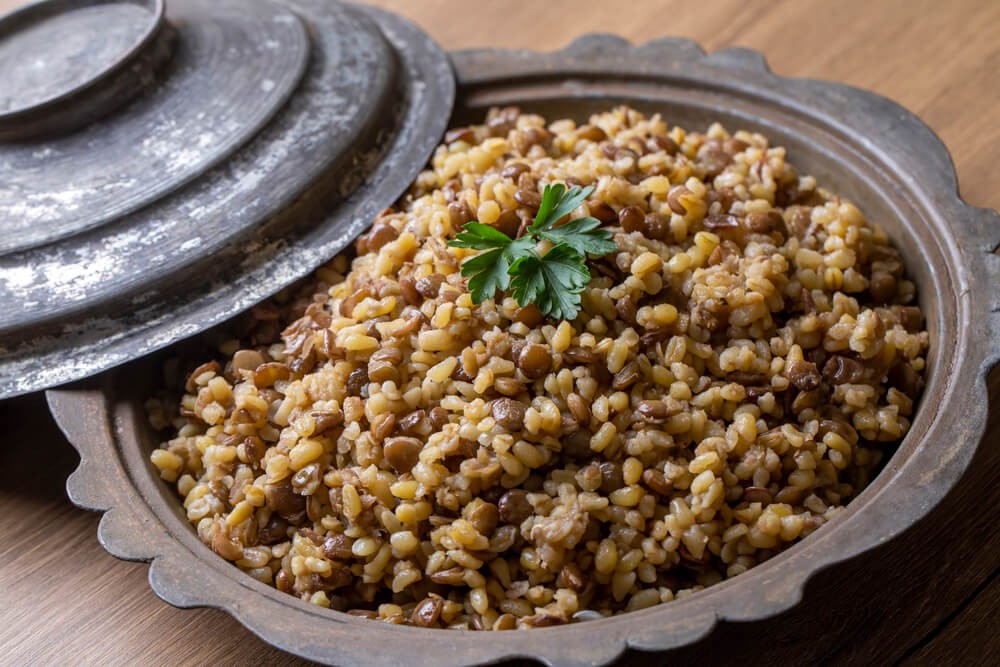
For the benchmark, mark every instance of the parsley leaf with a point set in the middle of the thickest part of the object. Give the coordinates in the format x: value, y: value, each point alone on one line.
x: 487, y: 272
x: 582, y: 235
x: 558, y: 203
x: 480, y: 237
x: 553, y: 281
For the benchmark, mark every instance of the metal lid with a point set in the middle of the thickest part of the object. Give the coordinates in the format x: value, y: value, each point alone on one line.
x: 189, y: 162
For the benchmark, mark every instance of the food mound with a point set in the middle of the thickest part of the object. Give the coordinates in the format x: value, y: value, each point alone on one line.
x: 739, y: 364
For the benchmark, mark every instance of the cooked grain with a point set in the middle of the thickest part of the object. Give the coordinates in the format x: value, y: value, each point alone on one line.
x: 739, y: 366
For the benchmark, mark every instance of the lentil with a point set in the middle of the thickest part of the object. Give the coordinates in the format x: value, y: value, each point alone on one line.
x: 509, y: 413
x: 534, y: 360
x: 402, y: 453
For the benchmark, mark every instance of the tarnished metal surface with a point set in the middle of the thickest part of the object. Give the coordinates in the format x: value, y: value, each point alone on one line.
x: 52, y: 55
x: 234, y: 66
x: 66, y: 63
x: 860, y: 144
x: 366, y: 116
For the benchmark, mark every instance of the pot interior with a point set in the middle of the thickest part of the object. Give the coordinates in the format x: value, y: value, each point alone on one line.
x: 839, y: 164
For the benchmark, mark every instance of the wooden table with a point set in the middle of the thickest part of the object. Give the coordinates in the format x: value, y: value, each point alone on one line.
x: 64, y: 600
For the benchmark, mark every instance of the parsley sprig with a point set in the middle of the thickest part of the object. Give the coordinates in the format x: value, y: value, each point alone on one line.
x: 553, y: 281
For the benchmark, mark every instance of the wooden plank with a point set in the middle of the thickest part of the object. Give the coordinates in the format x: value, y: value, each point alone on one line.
x: 66, y: 600
x: 971, y: 637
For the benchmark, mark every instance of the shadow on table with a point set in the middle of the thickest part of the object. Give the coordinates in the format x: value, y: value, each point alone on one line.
x: 35, y: 458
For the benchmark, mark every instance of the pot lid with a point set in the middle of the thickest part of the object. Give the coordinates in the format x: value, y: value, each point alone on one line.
x: 165, y: 167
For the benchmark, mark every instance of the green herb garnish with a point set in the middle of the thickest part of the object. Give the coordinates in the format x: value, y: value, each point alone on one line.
x: 552, y: 281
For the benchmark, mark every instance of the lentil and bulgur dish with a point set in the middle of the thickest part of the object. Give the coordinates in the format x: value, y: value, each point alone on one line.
x: 739, y: 366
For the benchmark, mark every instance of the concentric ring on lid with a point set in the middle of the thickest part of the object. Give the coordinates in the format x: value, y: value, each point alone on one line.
x: 365, y: 116
x: 233, y: 68
x: 65, y: 63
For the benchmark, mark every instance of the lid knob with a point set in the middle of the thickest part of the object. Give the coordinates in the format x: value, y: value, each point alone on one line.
x: 66, y: 63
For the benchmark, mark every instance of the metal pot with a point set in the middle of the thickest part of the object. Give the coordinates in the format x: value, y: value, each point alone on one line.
x: 859, y: 144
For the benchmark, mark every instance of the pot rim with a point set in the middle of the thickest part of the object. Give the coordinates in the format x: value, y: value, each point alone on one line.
x: 931, y: 459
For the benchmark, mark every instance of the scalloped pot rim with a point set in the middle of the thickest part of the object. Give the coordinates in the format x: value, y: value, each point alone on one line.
x: 113, y: 474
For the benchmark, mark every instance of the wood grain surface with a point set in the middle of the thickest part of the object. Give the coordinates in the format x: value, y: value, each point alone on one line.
x: 63, y: 600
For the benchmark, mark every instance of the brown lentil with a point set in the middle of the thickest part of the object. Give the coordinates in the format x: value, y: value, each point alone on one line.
x: 591, y: 133
x: 656, y: 482
x: 659, y: 142
x: 274, y: 531
x: 466, y: 134
x: 484, y: 517
x: 529, y: 315
x: 426, y: 614
x: 602, y: 211
x: 459, y: 213
x: 509, y: 223
x: 514, y: 506
x: 247, y: 360
x: 612, y: 478
x: 632, y: 219
x: 357, y: 381
x: 765, y: 223
x: 529, y: 199
x: 429, y: 286
x: 803, y: 374
x: 534, y: 360
x: 514, y: 170
x: 840, y: 370
x: 381, y: 233
x: 267, y: 374
x: 578, y: 408
x: 338, y: 547
x: 509, y: 413
x: 757, y: 494
x: 675, y: 197
x: 283, y: 500
x: 721, y: 222
x: 402, y: 453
